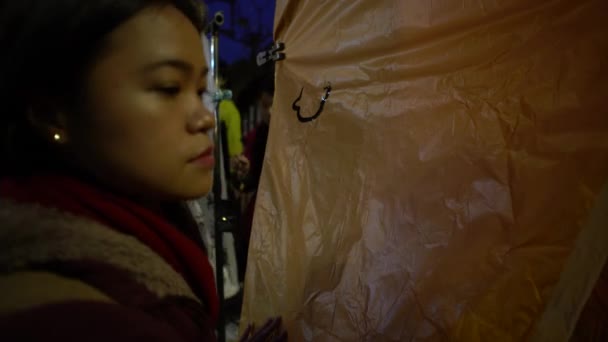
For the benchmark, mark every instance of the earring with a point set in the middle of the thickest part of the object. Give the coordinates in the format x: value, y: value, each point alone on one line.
x: 57, y: 137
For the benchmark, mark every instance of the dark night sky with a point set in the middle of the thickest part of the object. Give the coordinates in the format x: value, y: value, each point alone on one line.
x: 242, y: 19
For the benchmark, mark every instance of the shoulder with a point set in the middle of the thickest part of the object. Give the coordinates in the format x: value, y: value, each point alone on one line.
x: 67, y: 309
x: 90, y: 273
x: 22, y: 291
x: 33, y: 235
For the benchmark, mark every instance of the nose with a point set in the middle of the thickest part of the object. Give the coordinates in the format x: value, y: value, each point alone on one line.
x: 201, y: 119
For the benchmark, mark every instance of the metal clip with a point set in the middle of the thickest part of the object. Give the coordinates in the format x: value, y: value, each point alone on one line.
x: 222, y: 94
x: 274, y: 54
x: 324, y: 98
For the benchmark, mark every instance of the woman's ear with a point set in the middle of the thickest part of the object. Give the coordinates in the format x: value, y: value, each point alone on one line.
x: 49, y: 122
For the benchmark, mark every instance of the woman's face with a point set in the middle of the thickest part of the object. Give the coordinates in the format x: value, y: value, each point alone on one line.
x: 145, y: 130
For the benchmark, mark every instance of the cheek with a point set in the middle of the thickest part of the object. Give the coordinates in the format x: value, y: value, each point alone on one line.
x: 137, y: 120
x: 134, y: 138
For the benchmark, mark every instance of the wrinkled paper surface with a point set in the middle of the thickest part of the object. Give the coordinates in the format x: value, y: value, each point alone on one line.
x: 441, y: 190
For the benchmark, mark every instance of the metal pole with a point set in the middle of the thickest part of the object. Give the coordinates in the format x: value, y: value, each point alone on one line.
x: 220, y: 190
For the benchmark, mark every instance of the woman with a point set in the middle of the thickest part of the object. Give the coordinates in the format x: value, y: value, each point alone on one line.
x: 104, y: 134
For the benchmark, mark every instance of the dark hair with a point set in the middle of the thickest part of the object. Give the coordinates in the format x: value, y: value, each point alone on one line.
x: 262, y: 82
x: 267, y: 85
x: 46, y: 48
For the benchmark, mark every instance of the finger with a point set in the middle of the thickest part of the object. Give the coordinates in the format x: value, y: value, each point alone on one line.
x: 267, y: 330
x: 266, y: 325
x: 247, y: 333
x: 282, y: 337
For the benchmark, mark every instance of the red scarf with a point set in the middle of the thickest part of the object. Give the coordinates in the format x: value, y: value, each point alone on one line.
x: 82, y: 199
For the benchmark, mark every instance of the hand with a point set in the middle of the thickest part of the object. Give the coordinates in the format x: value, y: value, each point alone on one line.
x: 239, y: 166
x: 271, y: 331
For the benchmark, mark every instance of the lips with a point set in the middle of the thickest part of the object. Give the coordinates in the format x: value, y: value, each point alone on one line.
x: 205, y: 159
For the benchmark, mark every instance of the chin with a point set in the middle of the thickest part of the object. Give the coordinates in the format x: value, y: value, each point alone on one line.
x: 197, y: 189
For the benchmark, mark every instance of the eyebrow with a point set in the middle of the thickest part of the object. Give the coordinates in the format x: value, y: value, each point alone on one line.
x: 174, y: 63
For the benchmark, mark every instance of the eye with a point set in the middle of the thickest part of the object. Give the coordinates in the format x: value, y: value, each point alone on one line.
x: 169, y: 90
